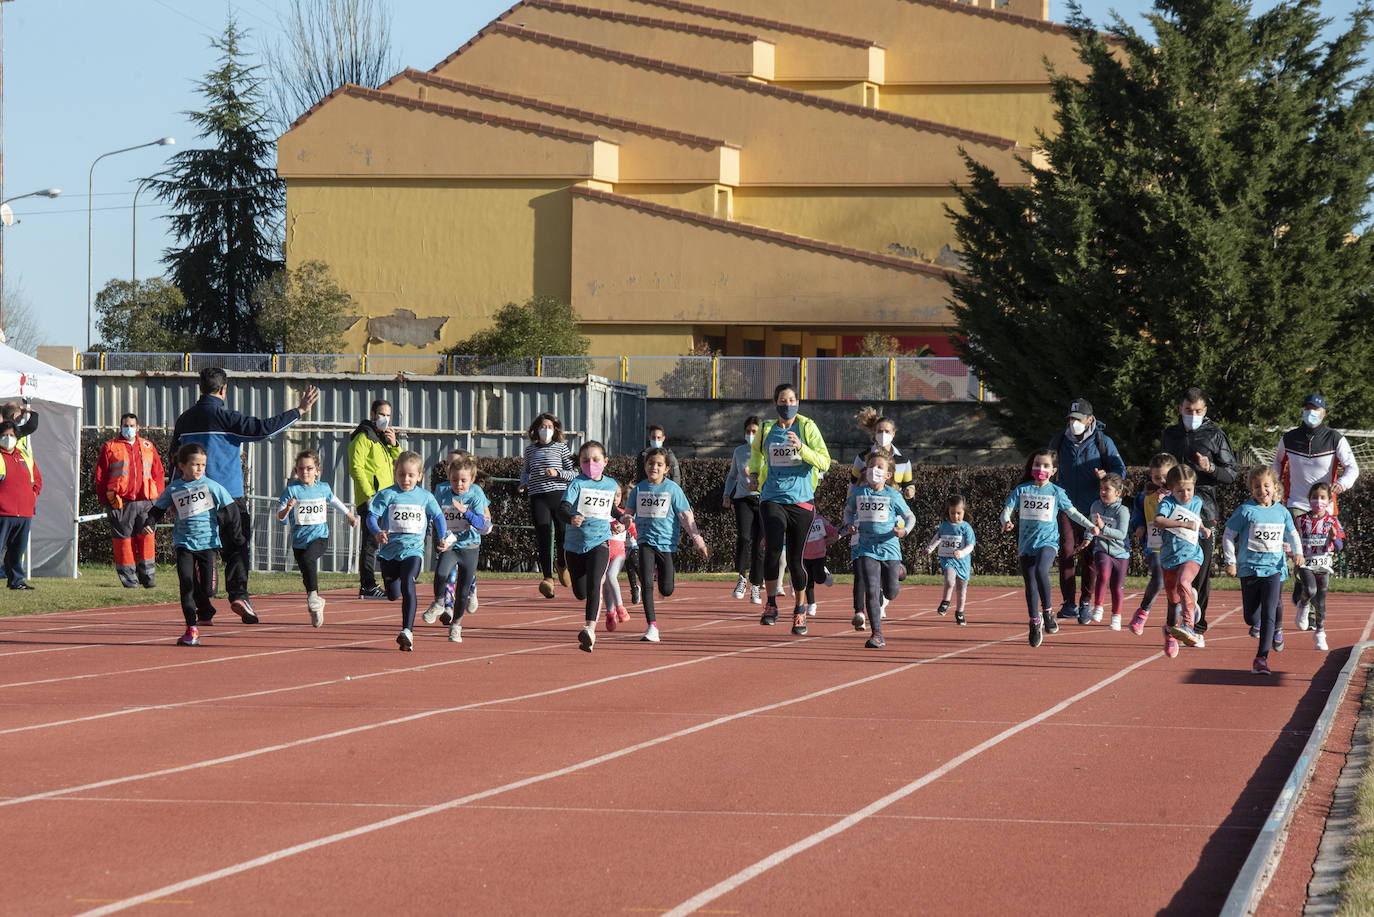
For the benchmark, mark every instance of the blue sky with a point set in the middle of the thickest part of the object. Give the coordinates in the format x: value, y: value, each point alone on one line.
x: 85, y: 77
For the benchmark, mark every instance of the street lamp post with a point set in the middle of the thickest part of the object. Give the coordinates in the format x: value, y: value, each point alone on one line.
x: 5, y: 220
x: 90, y: 212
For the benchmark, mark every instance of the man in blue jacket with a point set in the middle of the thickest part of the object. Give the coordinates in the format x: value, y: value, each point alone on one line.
x: 223, y: 432
x: 1086, y: 456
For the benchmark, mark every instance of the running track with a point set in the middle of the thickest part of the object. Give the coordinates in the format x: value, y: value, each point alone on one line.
x: 731, y: 769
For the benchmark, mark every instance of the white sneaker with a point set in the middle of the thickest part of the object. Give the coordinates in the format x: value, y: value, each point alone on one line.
x: 829, y: 578
x: 882, y: 610
x: 315, y: 603
x: 811, y: 610
x: 472, y: 602
x: 1319, y: 639
x: 1097, y: 615
x: 741, y: 587
x: 1116, y: 623
x: 754, y: 597
x: 1304, y: 609
x: 859, y: 621
x: 405, y: 641
x: 586, y: 638
x: 432, y: 613
x: 455, y: 633
x: 650, y: 635
x: 781, y: 590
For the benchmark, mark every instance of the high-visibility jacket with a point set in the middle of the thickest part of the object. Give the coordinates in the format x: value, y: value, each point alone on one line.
x: 20, y: 484
x: 133, y: 470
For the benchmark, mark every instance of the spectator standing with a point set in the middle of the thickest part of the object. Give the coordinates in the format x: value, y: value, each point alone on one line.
x: 656, y: 439
x: 372, y: 454
x: 20, y: 485
x: 25, y: 420
x: 544, y: 475
x: 128, y: 478
x: 1086, y: 455
x: 1313, y: 453
x: 740, y: 493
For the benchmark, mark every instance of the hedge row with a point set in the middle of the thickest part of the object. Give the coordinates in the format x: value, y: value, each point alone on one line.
x: 511, y: 545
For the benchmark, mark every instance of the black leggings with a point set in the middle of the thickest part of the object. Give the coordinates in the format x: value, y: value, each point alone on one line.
x: 587, y: 571
x: 749, y: 539
x: 1035, y: 570
x: 651, y: 559
x: 787, y: 523
x: 398, y: 576
x: 1262, y: 606
x: 308, y: 560
x: 879, y: 579
x: 196, y: 579
x: 815, y: 573
x: 1310, y: 586
x: 548, y: 531
x: 461, y: 562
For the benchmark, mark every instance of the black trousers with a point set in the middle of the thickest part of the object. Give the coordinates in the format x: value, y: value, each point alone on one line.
x: 548, y: 531
x: 196, y: 581
x: 587, y: 571
x: 653, y: 560
x: 308, y: 560
x: 237, y: 538
x: 787, y: 523
x: 749, y: 539
x: 367, y: 553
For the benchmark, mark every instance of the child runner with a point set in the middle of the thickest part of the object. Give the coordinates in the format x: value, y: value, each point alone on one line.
x: 1179, y: 520
x: 883, y: 431
x: 1038, y: 502
x: 1261, y: 526
x: 545, y: 472
x: 397, y: 517
x: 878, y: 515
x: 304, y: 505
x: 1322, y: 538
x: 480, y: 481
x: 198, y: 501
x: 954, y: 539
x: 821, y: 536
x: 1111, y: 548
x: 661, y: 515
x: 586, y: 510
x: 1143, y: 527
x: 623, y: 536
x: 467, y: 515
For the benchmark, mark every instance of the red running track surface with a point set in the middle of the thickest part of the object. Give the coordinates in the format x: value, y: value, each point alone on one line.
x: 730, y: 769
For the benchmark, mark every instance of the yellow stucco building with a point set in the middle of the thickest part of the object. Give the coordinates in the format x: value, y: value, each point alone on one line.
x: 769, y: 177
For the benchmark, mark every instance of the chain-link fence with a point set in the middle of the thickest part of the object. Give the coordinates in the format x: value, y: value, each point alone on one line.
x: 933, y: 379
x: 673, y: 377
x: 319, y: 363
x: 754, y: 377
x: 848, y: 378
x: 607, y: 367
x: 231, y: 362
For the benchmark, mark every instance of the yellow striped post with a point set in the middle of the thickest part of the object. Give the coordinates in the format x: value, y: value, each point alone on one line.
x: 624, y: 368
x: 715, y: 376
x: 891, y: 378
x: 802, y: 393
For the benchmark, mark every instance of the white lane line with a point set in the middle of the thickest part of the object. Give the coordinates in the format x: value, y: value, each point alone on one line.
x: 361, y: 830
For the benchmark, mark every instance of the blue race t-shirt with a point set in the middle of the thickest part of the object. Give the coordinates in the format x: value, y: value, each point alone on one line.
x: 954, y: 538
x: 1260, y: 534
x: 405, y: 515
x: 474, y: 499
x: 656, y: 508
x: 875, y: 514
x: 195, y: 502
x: 789, y: 477
x: 593, y: 501
x: 1179, y: 546
x: 309, y: 518
x: 1038, y: 507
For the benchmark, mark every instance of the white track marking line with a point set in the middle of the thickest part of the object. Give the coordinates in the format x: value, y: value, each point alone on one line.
x: 361, y: 830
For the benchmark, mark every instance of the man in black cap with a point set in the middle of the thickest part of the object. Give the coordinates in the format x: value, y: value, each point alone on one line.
x: 1086, y: 455
x: 1313, y: 452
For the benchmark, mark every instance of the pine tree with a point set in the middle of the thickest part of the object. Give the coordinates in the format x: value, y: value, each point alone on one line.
x: 1195, y: 223
x: 228, y: 206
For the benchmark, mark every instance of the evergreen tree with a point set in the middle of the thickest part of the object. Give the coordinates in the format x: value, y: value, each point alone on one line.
x: 1195, y: 222
x: 228, y: 205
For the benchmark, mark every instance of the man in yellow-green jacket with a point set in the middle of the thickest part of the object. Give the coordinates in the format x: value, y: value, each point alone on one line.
x: 372, y: 453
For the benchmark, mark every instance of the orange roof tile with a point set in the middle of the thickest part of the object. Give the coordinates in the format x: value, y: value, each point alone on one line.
x: 759, y: 232
x: 759, y: 22
x: 632, y: 19
x: 791, y: 95
x: 1032, y: 22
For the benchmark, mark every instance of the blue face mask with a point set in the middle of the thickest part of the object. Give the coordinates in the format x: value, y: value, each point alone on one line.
x: 1312, y: 418
x: 1193, y: 421
x: 787, y: 411
x: 129, y: 432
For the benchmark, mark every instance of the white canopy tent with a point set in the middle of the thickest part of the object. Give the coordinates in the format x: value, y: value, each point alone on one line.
x: 56, y: 395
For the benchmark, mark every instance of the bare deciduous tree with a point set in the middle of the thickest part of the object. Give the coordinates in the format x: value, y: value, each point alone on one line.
x: 20, y: 323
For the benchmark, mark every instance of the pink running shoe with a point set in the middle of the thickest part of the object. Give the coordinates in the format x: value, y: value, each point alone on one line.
x: 1138, y: 621
x: 1260, y: 667
x: 621, y: 614
x: 1171, y: 646
x: 610, y: 619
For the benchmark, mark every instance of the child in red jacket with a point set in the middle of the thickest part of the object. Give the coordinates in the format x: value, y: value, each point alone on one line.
x: 20, y: 484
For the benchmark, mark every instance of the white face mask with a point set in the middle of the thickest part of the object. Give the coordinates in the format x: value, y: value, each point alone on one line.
x: 1312, y: 418
x: 1077, y: 427
x: 545, y: 434
x: 7, y: 442
x: 749, y: 438
x: 381, y: 421
x: 1193, y: 421
x: 883, y: 439
x: 1318, y: 506
x: 876, y: 477
x: 656, y: 443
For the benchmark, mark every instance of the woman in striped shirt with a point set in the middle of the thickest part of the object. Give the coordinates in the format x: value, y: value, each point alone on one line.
x: 547, y: 469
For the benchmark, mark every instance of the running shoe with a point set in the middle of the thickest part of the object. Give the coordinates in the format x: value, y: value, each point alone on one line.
x: 799, y: 621
x: 741, y: 588
x: 1319, y: 640
x: 375, y: 592
x: 1185, y: 634
x: 1036, y: 635
x: 1301, y: 617
x: 190, y: 638
x: 901, y: 573
x: 405, y: 641
x: 1278, y: 639
x: 1260, y: 667
x: 770, y: 616
x: 446, y: 617
x: 586, y: 638
x: 634, y: 594
x: 754, y: 597
x: 811, y: 610
x: 564, y: 576
x: 1254, y: 630
x: 882, y: 609
x: 859, y: 621
x: 1068, y: 610
x: 1115, y: 624
x: 455, y: 633
x: 942, y: 609
x: 875, y: 643
x: 829, y: 578
x: 472, y: 603
x: 959, y: 618
x: 611, y: 619
x: 1085, y: 614
x: 650, y: 634
x: 781, y: 590
x: 1201, y: 641
x: 314, y: 603
x: 1138, y: 621
x: 1171, y: 646
x: 1051, y: 625
x: 1097, y: 614
x: 244, y: 610
x: 546, y: 587
x: 621, y: 615
x: 432, y: 613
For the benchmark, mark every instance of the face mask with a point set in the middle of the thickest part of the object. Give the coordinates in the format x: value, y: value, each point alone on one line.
x: 1319, y: 506
x: 7, y: 442
x: 129, y: 432
x: 545, y: 434
x: 593, y: 469
x: 381, y: 423
x: 876, y: 477
x: 1077, y: 427
x: 1312, y: 418
x: 1193, y: 421
x: 883, y: 439
x: 1039, y: 475
x: 787, y: 411
x: 749, y: 438
x: 656, y: 443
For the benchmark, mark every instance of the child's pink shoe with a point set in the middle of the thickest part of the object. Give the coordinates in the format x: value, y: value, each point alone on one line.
x: 1138, y: 622
x: 610, y: 619
x: 621, y: 614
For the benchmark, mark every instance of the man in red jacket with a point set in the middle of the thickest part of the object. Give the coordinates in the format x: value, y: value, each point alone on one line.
x: 20, y: 484
x: 128, y: 478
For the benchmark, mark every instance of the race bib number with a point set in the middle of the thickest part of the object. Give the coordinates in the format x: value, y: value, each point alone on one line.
x: 455, y: 519
x: 817, y: 532
x: 193, y: 501
x: 1153, y: 540
x: 653, y: 506
x: 1265, y: 538
x: 950, y: 545
x: 1037, y: 507
x: 783, y: 455
x: 1314, y: 543
x: 405, y: 518
x: 1320, y: 563
x: 595, y: 504
x: 311, y: 512
x: 874, y: 509
x: 1188, y: 535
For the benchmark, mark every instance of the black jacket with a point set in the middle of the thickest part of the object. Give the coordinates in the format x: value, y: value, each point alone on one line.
x: 1209, y: 440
